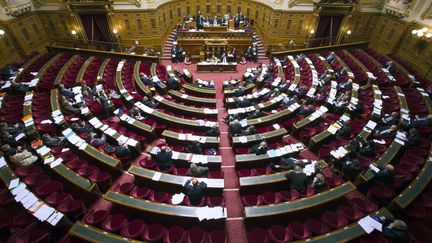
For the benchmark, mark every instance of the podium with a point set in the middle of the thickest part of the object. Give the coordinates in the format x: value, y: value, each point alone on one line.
x: 215, y: 47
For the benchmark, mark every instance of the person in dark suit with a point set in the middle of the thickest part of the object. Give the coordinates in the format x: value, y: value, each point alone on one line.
x: 235, y: 128
x: 195, y: 191
x: 389, y: 132
x: 260, y: 148
x: 239, y: 92
x: 394, y: 229
x: 199, y: 20
x: 413, y: 138
x: 367, y: 149
x: 341, y: 73
x: 198, y: 171
x: 305, y: 110
x: 389, y: 120
x: 122, y: 151
x: 288, y: 163
x: 174, y: 51
x: 163, y: 158
x: 319, y: 183
x: 347, y: 85
x: 212, y: 132
x: 195, y: 148
x: 344, y: 131
x: 146, y: 80
x: 172, y: 83
x: 243, y: 103
x: 81, y: 127
x: 149, y: 103
x: 297, y: 179
x: 390, y: 66
x: 421, y: 122
x: 15, y: 129
x: 385, y: 175
x: 250, y: 130
x: 52, y: 141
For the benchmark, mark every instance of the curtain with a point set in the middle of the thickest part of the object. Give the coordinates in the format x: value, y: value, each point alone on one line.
x: 96, y: 27
x: 328, y: 27
x: 87, y: 21
x: 102, y: 24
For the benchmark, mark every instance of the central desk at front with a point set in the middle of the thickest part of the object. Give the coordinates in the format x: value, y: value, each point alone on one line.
x: 203, y: 67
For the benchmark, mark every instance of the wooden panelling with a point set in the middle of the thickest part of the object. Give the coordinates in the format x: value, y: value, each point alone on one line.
x: 360, y: 25
x: 29, y: 33
x: 387, y: 33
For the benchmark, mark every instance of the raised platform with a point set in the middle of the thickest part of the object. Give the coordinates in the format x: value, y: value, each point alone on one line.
x: 217, y: 67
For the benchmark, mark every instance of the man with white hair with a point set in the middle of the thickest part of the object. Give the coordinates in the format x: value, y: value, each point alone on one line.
x: 395, y: 229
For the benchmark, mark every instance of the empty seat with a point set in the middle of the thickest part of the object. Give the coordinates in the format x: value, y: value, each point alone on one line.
x: 298, y: 230
x: 114, y: 223
x: 196, y: 235
x: 363, y: 205
x: 72, y: 208
x: 133, y: 229
x: 317, y: 227
x: 175, y: 234
x: 279, y: 234
x: 218, y: 236
x: 251, y: 200
x: 49, y: 188
x: 154, y: 233
x: 258, y: 235
x: 96, y: 217
x: 351, y: 213
x: 334, y: 220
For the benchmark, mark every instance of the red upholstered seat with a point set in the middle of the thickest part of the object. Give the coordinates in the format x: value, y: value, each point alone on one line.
x: 258, y: 235
x: 363, y: 205
x: 133, y: 229
x: 218, y: 236
x: 350, y: 213
x: 77, y: 164
x: 33, y: 234
x: 334, y: 220
x: 36, y: 180
x: 279, y: 234
x: 153, y: 233
x: 114, y: 223
x: 196, y: 235
x: 140, y: 192
x: 160, y: 197
x: 96, y: 217
x: 58, y: 198
x: 101, y: 178
x: 251, y: 200
x: 289, y: 195
x: 28, y: 170
x: 49, y: 188
x: 175, y: 234
x: 317, y: 227
x: 21, y: 219
x: 124, y: 188
x: 72, y: 208
x: 298, y: 230
x: 270, y: 198
x: 214, y: 201
x: 380, y: 193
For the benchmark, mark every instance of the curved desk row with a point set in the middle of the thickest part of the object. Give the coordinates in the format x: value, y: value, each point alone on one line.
x: 172, y: 179
x: 141, y: 86
x: 200, y: 91
x: 184, y: 109
x: 189, y: 157
x: 189, y: 99
x: 248, y: 88
x: 287, y: 150
x: 63, y: 70
x: 158, y: 208
x: 253, y: 139
x: 300, y: 204
x: 182, y: 138
x: 272, y: 118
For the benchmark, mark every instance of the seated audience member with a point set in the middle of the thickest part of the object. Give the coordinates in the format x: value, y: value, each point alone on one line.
x: 149, y: 103
x: 331, y: 57
x: 288, y: 163
x: 394, y: 229
x: 297, y: 179
x: 136, y: 113
x: 260, y: 148
x: 65, y: 91
x: 81, y: 127
x: 389, y: 132
x: 390, y: 66
x: 122, y: 150
x: 390, y: 119
x: 347, y: 85
x: 250, y: 130
x: 319, y: 183
x: 235, y: 128
x: 287, y: 101
x: 305, y: 110
x: 7, y: 138
x: 344, y: 131
x: 239, y: 91
x: 198, y: 171
x: 163, y: 158
x: 105, y: 103
x: 195, y: 148
x: 385, y: 174
x: 15, y: 129
x: 325, y: 77
x: 172, y: 83
x: 52, y: 141
x: 95, y: 140
x: 351, y: 165
x: 212, y: 132
x: 68, y: 106
x: 368, y: 149
x: 8, y: 71
x: 421, y: 122
x: 413, y: 138
x: 19, y: 156
x: 256, y: 114
x: 146, y: 80
x: 195, y: 191
x: 341, y: 73
x: 342, y: 101
x: 243, y: 103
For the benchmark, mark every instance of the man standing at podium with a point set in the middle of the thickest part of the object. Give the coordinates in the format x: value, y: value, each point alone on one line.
x: 199, y: 20
x: 174, y: 54
x: 236, y: 21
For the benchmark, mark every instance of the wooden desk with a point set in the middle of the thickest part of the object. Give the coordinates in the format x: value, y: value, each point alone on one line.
x: 300, y: 204
x: 273, y: 118
x: 173, y: 179
x: 200, y: 91
x: 102, y: 70
x: 138, y: 126
x: 93, y: 234
x: 248, y: 88
x: 184, y: 109
x: 174, y: 137
x: 193, y: 100
x: 217, y: 28
x: 216, y: 67
x: 253, y: 139
x: 362, y: 66
x: 152, y: 207
x: 268, y: 179
x: 212, y: 160
x: 82, y: 70
x: 346, y: 234
x: 416, y: 186
x: 386, y: 158
x: 142, y: 88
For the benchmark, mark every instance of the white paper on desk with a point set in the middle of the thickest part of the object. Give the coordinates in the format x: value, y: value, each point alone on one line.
x: 56, y: 218
x: 365, y: 224
x: 30, y: 202
x: 374, y: 168
x: 21, y: 186
x: 132, y: 142
x: 83, y: 146
x: 309, y: 169
x: 175, y: 155
x: 177, y: 198
x: 74, y: 139
x: 122, y: 139
x: 243, y: 139
x: 156, y: 176
x: 13, y: 183
x: 19, y: 136
x: 2, y: 162
x: 49, y: 159
x: 44, y: 212
x: 21, y: 195
x: 182, y: 136
x: 243, y: 123
x: 43, y: 150
x: 55, y: 163
x: 110, y: 131
x: 276, y: 126
x: 332, y: 129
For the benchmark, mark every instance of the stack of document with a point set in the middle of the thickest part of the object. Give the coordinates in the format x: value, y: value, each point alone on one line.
x: 369, y: 224
x: 210, y: 213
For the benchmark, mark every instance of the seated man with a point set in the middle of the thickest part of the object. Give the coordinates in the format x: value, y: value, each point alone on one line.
x: 344, y: 131
x: 15, y: 129
x: 319, y: 183
x: 389, y: 120
x: 19, y: 156
x: 235, y: 128
x: 195, y: 148
x: 122, y: 151
x: 368, y: 149
x: 260, y: 148
x: 385, y: 174
x: 390, y: 66
x: 413, y: 138
x: 195, y: 191
x: 82, y: 127
x: 389, y: 132
x: 136, y: 113
x: 146, y: 80
x: 68, y: 106
x: 421, y: 122
x: 288, y: 163
x: 172, y: 83
x: 95, y: 140
x: 331, y: 57
x: 394, y: 229
x: 305, y: 110
x: 198, y: 171
x: 52, y: 141
x: 250, y: 130
x: 174, y: 53
x: 347, y: 85
x: 149, y: 103
x: 297, y: 179
x: 341, y: 73
x: 163, y: 158
x: 212, y: 132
